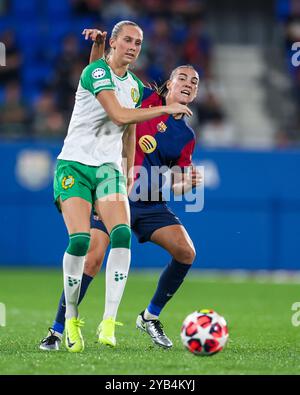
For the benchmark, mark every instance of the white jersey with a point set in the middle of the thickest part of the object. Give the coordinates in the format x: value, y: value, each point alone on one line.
x: 93, y: 139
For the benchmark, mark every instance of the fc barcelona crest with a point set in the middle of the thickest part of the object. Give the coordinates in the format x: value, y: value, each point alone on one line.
x: 161, y: 127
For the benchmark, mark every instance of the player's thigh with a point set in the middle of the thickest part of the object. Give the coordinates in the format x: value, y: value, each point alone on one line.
x: 176, y: 240
x: 73, y: 184
x: 111, y: 197
x: 95, y: 256
x: 113, y: 210
x: 76, y: 213
x: 73, y: 179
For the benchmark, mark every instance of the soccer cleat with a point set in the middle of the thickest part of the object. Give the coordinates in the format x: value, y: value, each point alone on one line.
x: 74, y: 340
x: 106, y: 332
x: 51, y: 342
x: 154, y: 328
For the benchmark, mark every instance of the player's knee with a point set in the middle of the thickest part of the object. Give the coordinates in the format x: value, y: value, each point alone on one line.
x: 92, y: 265
x: 185, y: 254
x: 79, y: 244
x: 120, y: 236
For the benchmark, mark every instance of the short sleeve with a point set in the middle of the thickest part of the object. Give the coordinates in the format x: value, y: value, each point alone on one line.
x: 141, y: 90
x: 96, y: 77
x: 186, y: 154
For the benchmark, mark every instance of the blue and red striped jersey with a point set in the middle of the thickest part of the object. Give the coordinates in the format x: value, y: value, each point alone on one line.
x: 162, y: 142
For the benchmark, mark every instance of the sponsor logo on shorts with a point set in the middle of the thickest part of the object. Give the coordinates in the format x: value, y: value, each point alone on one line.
x: 68, y: 182
x: 98, y: 73
x: 148, y: 144
x: 135, y: 95
x: 161, y: 127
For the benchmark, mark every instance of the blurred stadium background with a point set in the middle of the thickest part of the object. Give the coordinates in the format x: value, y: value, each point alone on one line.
x: 246, y: 117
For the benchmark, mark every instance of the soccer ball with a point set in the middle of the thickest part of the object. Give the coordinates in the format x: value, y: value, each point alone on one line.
x: 204, y: 332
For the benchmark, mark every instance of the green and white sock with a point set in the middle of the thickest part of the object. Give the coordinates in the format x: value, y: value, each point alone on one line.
x: 117, y: 269
x: 73, y: 270
x: 73, y: 265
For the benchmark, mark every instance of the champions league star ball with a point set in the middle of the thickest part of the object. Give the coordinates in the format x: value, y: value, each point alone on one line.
x: 204, y: 332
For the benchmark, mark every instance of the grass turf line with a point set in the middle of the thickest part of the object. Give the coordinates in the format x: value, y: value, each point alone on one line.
x: 262, y: 338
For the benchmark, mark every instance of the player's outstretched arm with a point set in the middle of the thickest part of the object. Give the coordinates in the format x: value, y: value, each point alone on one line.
x: 98, y: 37
x: 124, y: 116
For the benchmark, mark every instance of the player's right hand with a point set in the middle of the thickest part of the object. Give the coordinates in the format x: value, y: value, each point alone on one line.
x: 177, y: 108
x: 194, y: 176
x: 95, y: 35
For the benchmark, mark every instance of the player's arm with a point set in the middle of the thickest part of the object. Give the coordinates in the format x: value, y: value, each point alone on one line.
x: 185, y: 176
x: 128, y: 154
x: 97, y: 80
x: 185, y: 180
x: 124, y: 116
x: 98, y: 37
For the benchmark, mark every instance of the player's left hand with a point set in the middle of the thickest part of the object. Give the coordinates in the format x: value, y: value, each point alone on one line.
x: 97, y: 36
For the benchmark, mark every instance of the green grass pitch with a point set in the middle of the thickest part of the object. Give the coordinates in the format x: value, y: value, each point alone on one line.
x: 262, y: 337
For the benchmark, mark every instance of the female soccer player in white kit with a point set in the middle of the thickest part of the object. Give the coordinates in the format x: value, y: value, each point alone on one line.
x: 89, y: 170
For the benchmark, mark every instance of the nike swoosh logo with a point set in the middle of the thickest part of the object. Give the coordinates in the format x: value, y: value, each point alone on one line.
x: 143, y: 325
x: 69, y: 343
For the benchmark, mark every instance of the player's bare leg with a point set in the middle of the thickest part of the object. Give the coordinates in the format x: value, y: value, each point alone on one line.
x: 95, y: 256
x: 176, y: 241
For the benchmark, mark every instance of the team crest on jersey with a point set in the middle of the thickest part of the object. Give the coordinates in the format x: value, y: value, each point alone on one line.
x: 162, y: 127
x: 148, y: 144
x: 135, y: 95
x: 68, y: 182
x: 98, y: 73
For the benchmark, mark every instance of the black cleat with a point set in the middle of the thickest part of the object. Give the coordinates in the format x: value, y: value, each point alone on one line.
x: 51, y: 342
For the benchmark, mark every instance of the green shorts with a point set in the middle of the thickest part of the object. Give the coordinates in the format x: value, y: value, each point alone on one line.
x: 74, y: 179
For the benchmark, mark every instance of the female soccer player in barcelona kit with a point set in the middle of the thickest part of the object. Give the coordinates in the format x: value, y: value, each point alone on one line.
x: 89, y: 170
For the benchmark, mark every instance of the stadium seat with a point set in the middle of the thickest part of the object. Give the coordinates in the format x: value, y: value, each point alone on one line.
x: 283, y: 9
x: 81, y: 23
x: 28, y: 8
x: 62, y: 28
x: 37, y: 74
x: 7, y: 23
x: 31, y: 93
x: 54, y: 37
x: 1, y: 94
x: 58, y: 8
x: 28, y: 38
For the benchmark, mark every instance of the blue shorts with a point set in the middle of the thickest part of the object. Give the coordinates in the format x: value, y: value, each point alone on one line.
x: 146, y: 218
